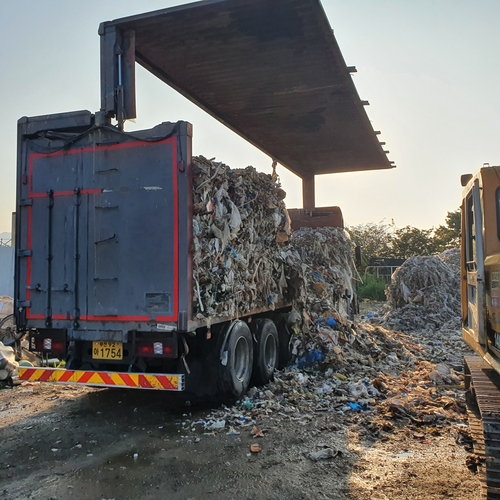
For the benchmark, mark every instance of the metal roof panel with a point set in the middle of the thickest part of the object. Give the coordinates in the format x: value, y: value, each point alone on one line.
x: 271, y: 70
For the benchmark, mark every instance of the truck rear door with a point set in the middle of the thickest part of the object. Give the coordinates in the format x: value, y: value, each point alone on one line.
x: 99, y: 226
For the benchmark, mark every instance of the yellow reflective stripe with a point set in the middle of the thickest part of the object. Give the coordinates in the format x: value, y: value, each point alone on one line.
x: 117, y: 380
x: 75, y: 377
x: 153, y: 381
x: 174, y: 381
x: 54, y: 377
x: 133, y: 380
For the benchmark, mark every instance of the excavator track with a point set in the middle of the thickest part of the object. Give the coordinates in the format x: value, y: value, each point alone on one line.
x: 483, y: 403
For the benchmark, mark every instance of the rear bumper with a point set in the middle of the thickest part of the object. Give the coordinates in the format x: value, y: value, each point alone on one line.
x: 155, y: 381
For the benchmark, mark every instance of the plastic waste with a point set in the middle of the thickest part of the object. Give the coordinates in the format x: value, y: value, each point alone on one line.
x: 312, y: 358
x: 322, y: 454
x: 215, y: 425
x: 8, y: 363
x: 331, y: 322
x: 355, y: 407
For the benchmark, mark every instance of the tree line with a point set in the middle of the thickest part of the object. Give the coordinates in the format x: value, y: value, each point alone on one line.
x: 385, y: 240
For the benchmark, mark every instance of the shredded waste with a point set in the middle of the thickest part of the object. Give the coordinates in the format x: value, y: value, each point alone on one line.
x: 240, y: 223
x: 400, y: 369
x: 245, y: 256
x: 8, y: 362
x: 424, y: 294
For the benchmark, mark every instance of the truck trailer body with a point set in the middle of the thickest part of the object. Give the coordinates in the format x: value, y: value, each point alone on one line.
x: 104, y: 255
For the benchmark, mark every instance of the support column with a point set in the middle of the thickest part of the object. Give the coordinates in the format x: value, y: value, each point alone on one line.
x: 308, y: 197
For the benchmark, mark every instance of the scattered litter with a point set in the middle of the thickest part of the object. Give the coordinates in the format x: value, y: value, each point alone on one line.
x: 215, y: 425
x: 8, y: 363
x: 255, y: 448
x: 257, y: 432
x: 322, y: 454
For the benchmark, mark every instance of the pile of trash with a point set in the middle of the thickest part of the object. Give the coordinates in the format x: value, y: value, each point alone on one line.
x: 246, y: 257
x: 382, y: 378
x: 240, y: 224
x: 424, y: 294
x: 324, y: 257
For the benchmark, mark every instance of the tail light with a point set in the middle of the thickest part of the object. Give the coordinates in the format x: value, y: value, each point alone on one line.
x: 48, y: 344
x: 163, y: 349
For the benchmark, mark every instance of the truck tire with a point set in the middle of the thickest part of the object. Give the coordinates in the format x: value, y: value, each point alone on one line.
x: 266, y: 351
x: 285, y: 342
x: 236, y: 360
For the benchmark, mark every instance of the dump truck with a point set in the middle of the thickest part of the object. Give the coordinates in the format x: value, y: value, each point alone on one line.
x: 104, y: 261
x: 480, y: 295
x: 104, y: 217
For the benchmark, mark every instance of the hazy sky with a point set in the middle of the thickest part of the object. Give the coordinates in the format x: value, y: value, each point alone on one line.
x: 429, y: 68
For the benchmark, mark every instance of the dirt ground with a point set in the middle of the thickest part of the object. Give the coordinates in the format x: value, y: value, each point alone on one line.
x: 59, y: 442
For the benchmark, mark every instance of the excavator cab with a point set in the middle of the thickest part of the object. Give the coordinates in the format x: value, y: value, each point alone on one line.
x: 480, y: 290
x: 481, y: 263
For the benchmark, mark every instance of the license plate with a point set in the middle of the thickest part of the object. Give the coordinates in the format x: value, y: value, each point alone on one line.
x: 107, y: 350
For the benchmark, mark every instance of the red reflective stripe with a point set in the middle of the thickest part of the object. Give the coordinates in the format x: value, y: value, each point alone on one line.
x: 106, y: 378
x: 85, y: 377
x: 66, y: 376
x: 65, y: 193
x: 127, y: 379
x: 34, y: 316
x: 144, y: 382
x: 115, y: 318
x: 45, y: 376
x: 27, y: 373
x: 165, y: 382
x: 28, y: 263
x: 176, y: 235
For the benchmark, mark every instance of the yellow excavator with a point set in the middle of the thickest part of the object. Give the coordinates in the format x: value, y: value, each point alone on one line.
x: 480, y: 289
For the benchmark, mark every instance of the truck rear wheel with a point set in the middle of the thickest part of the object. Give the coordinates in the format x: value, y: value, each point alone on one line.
x: 236, y: 359
x: 265, y: 351
x: 285, y: 342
